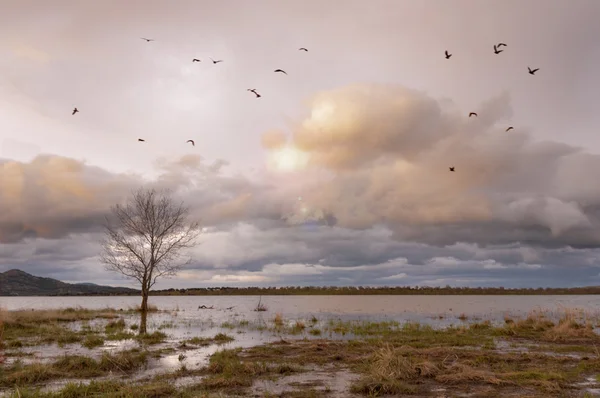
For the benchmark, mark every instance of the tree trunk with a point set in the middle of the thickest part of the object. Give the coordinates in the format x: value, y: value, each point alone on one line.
x: 144, y: 312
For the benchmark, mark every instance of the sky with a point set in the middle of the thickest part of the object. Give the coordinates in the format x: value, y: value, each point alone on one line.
x: 339, y: 173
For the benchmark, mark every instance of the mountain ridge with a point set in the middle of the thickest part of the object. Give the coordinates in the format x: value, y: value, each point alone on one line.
x: 15, y: 282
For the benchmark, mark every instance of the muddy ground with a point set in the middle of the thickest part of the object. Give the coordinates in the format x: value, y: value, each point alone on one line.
x: 78, y: 352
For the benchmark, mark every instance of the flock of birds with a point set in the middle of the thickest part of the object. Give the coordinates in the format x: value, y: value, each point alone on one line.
x: 448, y: 55
x: 252, y: 90
x: 496, y: 51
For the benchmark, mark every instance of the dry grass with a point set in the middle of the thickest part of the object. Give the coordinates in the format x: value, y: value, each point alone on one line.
x: 73, y: 367
x: 12, y: 318
x: 390, y: 358
x: 2, y: 315
x: 298, y: 327
x: 571, y: 328
x: 278, y: 320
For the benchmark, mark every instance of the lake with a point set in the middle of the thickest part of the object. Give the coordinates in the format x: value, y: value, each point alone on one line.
x: 401, y: 308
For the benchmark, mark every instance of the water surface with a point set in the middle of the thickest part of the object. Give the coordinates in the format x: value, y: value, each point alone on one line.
x: 407, y: 308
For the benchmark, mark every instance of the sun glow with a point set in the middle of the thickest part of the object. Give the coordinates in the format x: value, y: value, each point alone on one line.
x: 287, y: 159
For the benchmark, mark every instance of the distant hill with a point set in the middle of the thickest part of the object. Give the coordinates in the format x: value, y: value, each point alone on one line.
x: 19, y: 283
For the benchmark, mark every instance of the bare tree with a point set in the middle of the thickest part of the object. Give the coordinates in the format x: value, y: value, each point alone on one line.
x: 146, y: 239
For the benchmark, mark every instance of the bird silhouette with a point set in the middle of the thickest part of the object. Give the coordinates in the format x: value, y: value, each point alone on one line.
x: 217, y: 61
x: 451, y: 168
x: 472, y: 114
x: 502, y: 44
x: 195, y: 60
x: 496, y: 51
x: 280, y: 70
x: 192, y: 141
x: 302, y: 49
x: 75, y: 110
x: 141, y: 140
x: 148, y: 40
x: 510, y: 128
x: 532, y: 72
x: 253, y: 90
x: 448, y: 55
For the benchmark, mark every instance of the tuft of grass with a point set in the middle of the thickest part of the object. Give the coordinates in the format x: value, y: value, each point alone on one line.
x: 155, y: 337
x: 115, y: 326
x: 298, y: 327
x: 278, y: 319
x: 93, y: 341
x: 2, y: 344
x: 260, y: 307
x: 219, y: 338
x: 569, y: 328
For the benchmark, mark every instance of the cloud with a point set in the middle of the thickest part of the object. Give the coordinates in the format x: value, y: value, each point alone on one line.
x: 373, y: 203
x: 387, y: 150
x: 53, y: 196
x: 376, y: 154
x: 273, y: 139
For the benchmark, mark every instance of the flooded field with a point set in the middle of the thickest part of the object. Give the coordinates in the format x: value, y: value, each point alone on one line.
x: 302, y: 346
x: 413, y: 308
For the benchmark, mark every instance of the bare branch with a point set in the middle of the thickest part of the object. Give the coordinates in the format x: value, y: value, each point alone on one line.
x: 147, y: 236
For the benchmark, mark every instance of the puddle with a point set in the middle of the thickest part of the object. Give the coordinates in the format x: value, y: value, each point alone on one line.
x: 335, y: 382
x: 195, y: 358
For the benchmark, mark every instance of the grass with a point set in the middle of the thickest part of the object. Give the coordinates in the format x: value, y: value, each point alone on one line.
x: 155, y: 337
x: 72, y: 367
x: 219, y: 338
x: 115, y: 326
x: 2, y: 316
x: 389, y: 358
x: 93, y: 341
x: 228, y: 371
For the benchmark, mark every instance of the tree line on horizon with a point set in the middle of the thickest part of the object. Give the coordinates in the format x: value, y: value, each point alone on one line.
x: 368, y: 290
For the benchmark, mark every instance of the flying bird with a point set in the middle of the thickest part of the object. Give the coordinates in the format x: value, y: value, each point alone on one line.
x: 192, y: 141
x: 253, y: 90
x: 141, y: 140
x: 217, y: 61
x: 451, y: 168
x: 496, y: 51
x: 75, y: 110
x: 148, y: 40
x: 195, y: 60
x: 302, y: 49
x: 280, y: 70
x: 532, y: 72
x: 448, y: 55
x: 510, y: 128
x: 501, y: 44
x: 472, y: 114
